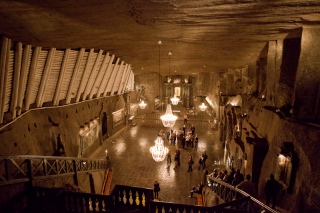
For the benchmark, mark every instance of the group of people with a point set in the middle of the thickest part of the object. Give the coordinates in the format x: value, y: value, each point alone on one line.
x: 182, y: 137
x: 236, y: 179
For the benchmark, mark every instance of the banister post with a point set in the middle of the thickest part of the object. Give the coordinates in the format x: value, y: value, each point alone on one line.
x: 30, y: 171
x: 75, y: 176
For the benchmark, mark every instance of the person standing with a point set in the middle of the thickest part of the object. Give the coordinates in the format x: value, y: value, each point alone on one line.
x: 156, y: 189
x: 205, y: 157
x: 175, y: 160
x: 173, y: 137
x: 168, y: 158
x: 271, y: 190
x: 183, y: 142
x: 193, y: 129
x: 190, y: 163
x: 247, y: 186
x: 178, y: 154
x: 200, y: 162
x: 196, y: 141
x: 185, y: 118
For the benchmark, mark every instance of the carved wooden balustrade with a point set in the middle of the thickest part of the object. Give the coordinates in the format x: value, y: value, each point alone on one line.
x: 229, y: 193
x: 154, y: 115
x: 27, y: 168
x: 128, y: 198
x: 195, y: 117
x: 132, y: 197
x: 121, y: 198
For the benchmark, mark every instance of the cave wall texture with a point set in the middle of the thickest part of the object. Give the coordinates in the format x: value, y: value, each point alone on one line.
x: 280, y: 106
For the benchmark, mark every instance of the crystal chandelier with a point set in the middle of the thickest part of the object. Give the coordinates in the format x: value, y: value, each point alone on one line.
x: 159, y: 151
x: 142, y: 105
x: 203, y: 107
x: 168, y: 119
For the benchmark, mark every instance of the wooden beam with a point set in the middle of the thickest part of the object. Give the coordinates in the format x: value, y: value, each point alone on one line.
x: 127, y: 79
x: 56, y: 97
x: 100, y: 75
x: 5, y: 46
x: 123, y: 79
x: 74, y: 75
x: 117, y: 79
x: 131, y: 81
x: 44, y: 78
x: 16, y: 79
x: 105, y: 78
x: 32, y: 75
x: 83, y: 80
x: 112, y: 77
x: 23, y: 77
x: 89, y: 86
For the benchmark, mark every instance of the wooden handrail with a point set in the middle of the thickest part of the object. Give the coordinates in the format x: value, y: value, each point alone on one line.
x: 228, y: 193
x: 30, y: 168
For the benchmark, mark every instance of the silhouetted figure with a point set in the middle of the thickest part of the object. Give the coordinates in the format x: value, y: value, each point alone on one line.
x: 190, y: 163
x: 271, y: 190
x: 247, y: 186
x: 156, y: 189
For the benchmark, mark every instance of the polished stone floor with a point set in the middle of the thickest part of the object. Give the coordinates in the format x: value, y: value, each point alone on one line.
x: 133, y: 165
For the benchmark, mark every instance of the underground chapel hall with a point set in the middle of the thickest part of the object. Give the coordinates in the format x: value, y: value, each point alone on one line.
x: 98, y: 97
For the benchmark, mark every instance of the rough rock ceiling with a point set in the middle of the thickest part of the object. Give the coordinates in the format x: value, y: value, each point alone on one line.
x: 204, y: 35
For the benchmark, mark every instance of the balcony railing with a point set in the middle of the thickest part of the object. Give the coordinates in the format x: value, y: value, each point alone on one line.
x: 17, y: 169
x: 25, y: 168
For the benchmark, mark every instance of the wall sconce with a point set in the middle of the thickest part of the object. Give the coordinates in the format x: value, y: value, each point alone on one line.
x: 203, y: 107
x: 142, y: 105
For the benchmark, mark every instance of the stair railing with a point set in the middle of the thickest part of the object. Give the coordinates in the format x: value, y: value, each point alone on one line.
x: 229, y: 193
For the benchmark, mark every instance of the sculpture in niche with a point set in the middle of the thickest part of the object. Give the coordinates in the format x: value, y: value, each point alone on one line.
x: 59, y: 147
x: 287, y: 166
x: 141, y: 94
x: 118, y: 117
x: 88, y: 134
x: 177, y: 91
x: 177, y: 81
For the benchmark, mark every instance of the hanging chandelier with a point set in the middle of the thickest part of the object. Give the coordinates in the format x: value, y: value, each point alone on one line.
x: 203, y: 107
x: 168, y: 119
x: 159, y: 151
x: 142, y: 105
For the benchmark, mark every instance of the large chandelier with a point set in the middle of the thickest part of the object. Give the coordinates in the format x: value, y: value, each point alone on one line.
x: 142, y: 105
x: 168, y: 119
x: 203, y: 107
x: 159, y: 151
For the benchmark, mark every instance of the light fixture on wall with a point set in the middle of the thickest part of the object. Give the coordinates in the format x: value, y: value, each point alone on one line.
x: 203, y: 107
x: 175, y: 100
x: 159, y: 151
x: 142, y: 105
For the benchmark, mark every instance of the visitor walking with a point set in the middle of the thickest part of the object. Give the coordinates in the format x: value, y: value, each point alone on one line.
x: 271, y: 190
